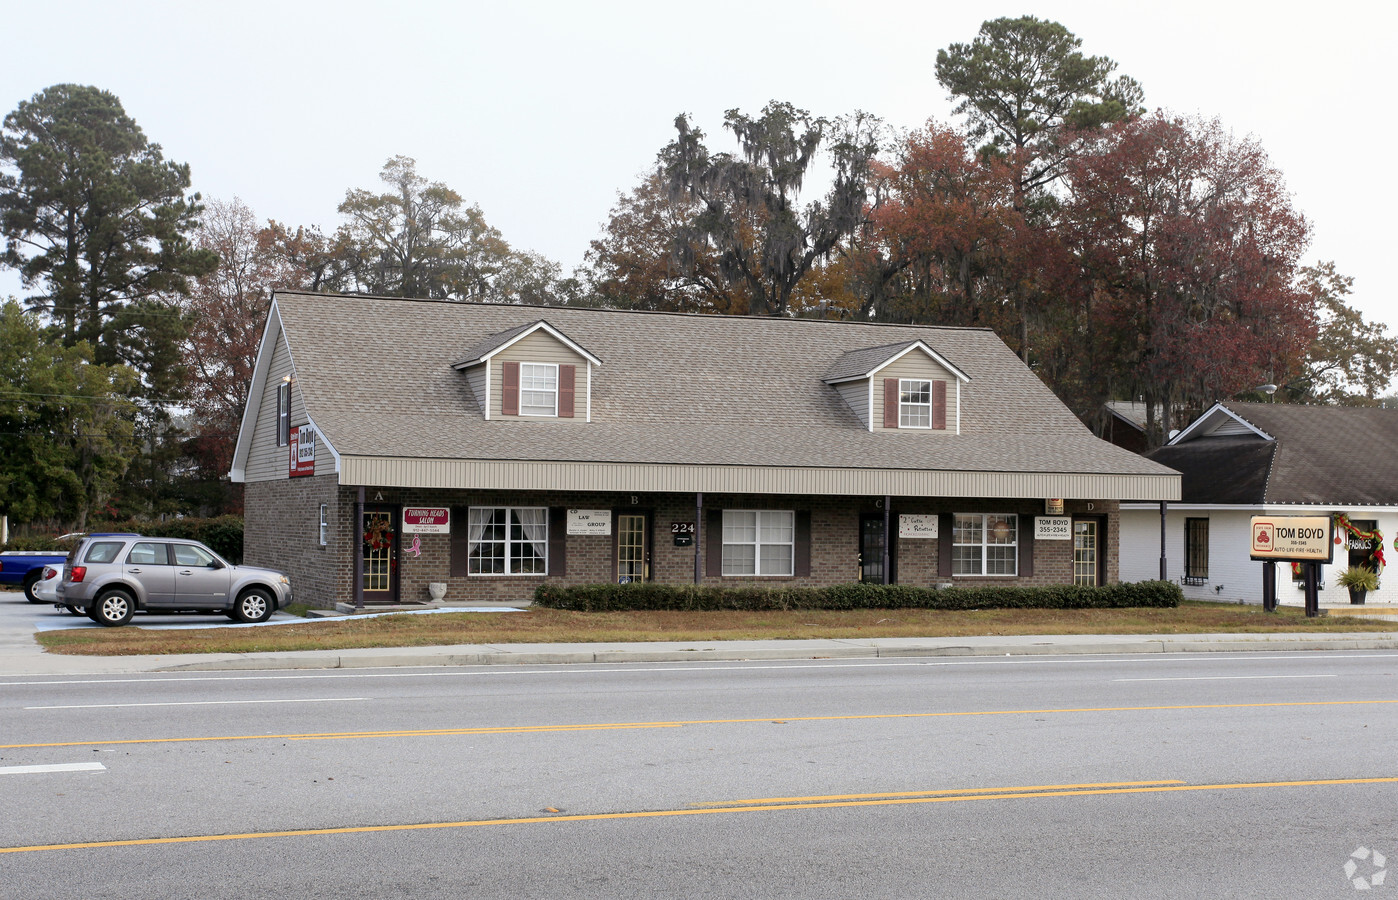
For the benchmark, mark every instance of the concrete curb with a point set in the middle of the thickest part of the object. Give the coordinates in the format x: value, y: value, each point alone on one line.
x: 737, y: 651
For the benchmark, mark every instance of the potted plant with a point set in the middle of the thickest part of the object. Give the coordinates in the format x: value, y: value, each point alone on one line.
x: 1360, y: 580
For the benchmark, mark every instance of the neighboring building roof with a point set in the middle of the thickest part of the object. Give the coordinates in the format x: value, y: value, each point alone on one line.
x: 742, y: 393
x: 1129, y: 411
x: 1281, y: 453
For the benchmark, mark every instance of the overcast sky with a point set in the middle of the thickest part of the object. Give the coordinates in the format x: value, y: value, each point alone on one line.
x: 541, y: 112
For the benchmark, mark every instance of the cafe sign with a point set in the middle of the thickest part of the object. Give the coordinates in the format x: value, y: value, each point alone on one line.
x: 917, y: 526
x: 1293, y: 538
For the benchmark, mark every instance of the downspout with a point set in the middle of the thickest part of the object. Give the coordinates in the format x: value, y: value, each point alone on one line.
x: 698, y: 536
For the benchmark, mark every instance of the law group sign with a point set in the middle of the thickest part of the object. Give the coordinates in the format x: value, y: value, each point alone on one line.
x: 1293, y: 538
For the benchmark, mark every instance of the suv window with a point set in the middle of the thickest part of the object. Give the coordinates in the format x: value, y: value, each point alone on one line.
x: 146, y: 554
x: 103, y: 551
x: 190, y: 555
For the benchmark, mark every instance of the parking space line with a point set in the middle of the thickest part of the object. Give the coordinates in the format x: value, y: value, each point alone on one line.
x: 201, y: 703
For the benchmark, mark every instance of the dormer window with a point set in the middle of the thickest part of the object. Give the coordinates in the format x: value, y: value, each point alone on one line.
x: 538, y: 389
x: 914, y: 403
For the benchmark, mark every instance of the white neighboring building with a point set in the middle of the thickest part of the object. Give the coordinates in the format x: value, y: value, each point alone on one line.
x: 1240, y: 460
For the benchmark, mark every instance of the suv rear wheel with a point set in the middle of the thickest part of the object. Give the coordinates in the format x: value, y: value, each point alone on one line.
x: 253, y: 605
x: 114, y: 608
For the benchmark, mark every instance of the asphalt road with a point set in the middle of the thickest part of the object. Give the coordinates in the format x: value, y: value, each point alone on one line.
x: 1249, y: 775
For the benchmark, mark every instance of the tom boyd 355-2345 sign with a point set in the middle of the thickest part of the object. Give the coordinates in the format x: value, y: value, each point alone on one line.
x: 1293, y: 538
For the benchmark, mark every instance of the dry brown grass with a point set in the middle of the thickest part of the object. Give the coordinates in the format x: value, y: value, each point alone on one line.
x: 547, y: 626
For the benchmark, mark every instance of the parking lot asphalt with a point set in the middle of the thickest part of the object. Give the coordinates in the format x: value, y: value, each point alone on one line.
x: 20, y: 654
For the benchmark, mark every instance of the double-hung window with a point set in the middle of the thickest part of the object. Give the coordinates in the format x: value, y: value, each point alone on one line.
x: 538, y: 389
x: 914, y: 403
x: 985, y: 544
x: 508, y: 540
x: 758, y: 541
x: 324, y: 523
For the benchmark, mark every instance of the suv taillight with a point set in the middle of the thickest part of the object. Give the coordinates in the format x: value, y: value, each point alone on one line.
x: 78, y: 573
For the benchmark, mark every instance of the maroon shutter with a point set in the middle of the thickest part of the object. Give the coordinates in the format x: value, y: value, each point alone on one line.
x: 939, y: 404
x: 890, y: 403
x: 460, y: 542
x: 558, y: 541
x: 567, y: 376
x: 1026, y: 546
x: 944, y: 526
x: 509, y: 393
x: 713, y: 544
x: 801, y: 564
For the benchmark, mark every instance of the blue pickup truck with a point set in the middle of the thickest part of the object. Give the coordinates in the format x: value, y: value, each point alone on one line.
x: 23, y: 568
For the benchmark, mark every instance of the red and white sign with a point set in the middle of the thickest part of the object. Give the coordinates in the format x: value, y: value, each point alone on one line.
x: 426, y: 520
x: 303, y: 450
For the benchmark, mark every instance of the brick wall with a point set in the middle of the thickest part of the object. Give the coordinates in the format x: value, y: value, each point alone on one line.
x: 282, y: 532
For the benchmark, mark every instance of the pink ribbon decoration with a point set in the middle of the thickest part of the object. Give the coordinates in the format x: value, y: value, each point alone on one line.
x: 416, y: 548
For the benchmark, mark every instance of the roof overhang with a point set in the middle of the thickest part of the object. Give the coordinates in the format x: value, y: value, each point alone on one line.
x: 529, y: 475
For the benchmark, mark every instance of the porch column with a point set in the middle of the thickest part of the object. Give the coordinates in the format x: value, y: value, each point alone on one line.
x: 698, y: 537
x: 357, y: 535
x: 1163, y: 507
x: 887, y: 539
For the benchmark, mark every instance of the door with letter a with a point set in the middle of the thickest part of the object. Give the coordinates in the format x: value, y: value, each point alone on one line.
x: 379, y: 538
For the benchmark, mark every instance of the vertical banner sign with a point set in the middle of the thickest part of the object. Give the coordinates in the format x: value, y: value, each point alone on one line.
x: 303, y: 450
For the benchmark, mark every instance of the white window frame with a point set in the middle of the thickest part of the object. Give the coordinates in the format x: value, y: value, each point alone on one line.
x: 510, y: 542
x: 983, y: 546
x: 729, y: 563
x: 909, y: 408
x: 324, y: 523
x: 523, y: 389
x: 283, y: 413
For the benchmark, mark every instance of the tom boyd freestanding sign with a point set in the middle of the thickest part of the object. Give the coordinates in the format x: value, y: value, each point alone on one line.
x: 1305, y: 539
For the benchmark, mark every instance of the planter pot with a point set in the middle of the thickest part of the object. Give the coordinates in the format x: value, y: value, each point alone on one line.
x: 437, y: 590
x: 1356, y: 595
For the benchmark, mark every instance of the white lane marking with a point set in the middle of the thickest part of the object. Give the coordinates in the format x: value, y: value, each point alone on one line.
x: 61, y: 767
x: 1224, y: 677
x: 716, y: 665
x: 199, y: 703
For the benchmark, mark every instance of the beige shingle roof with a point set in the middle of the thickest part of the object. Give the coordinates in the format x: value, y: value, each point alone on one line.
x: 678, y: 389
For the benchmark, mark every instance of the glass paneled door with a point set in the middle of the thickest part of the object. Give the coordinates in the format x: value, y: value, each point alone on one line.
x: 379, y: 535
x: 871, y: 550
x: 1087, y: 552
x: 632, y: 547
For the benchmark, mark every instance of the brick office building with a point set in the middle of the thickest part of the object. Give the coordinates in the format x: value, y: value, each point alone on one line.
x: 390, y: 444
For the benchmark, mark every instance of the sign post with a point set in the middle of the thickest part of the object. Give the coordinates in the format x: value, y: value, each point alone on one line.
x: 1308, y: 540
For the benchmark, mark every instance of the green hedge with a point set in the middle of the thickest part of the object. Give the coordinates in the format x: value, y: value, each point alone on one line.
x: 224, y: 534
x: 603, y: 597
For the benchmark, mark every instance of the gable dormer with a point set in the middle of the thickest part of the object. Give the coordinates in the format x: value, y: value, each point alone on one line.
x: 900, y: 387
x: 533, y: 373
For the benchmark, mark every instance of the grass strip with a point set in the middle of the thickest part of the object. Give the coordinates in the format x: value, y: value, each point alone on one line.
x: 553, y: 626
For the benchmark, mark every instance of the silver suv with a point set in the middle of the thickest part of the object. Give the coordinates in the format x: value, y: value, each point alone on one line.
x: 109, y: 577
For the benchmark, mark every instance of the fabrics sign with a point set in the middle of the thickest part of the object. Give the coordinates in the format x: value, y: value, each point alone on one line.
x: 917, y: 526
x: 303, y: 450
x: 426, y: 520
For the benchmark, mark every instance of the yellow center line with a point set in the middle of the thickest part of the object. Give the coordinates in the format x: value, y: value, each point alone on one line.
x: 949, y: 791
x: 603, y: 726
x: 1005, y: 794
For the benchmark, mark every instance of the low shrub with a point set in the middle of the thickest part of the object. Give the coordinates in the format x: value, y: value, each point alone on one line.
x: 652, y: 596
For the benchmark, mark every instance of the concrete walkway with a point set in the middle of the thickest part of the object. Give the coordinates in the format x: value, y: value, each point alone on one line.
x: 21, y: 655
